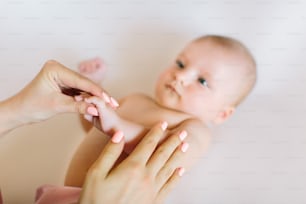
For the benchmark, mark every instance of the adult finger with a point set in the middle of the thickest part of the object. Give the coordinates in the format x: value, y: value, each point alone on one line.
x: 175, y: 160
x: 100, y: 106
x: 169, y: 185
x: 164, y: 151
x: 98, y: 102
x: 68, y: 78
x: 147, y: 145
x: 68, y: 104
x: 109, y: 155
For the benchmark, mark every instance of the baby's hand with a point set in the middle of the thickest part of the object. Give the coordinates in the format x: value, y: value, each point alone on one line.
x: 81, y: 96
x: 108, y: 118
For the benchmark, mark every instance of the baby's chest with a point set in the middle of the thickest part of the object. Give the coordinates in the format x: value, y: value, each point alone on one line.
x: 139, y: 113
x: 148, y: 113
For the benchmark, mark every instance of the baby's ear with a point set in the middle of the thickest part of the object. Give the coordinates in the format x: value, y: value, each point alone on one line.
x: 224, y: 114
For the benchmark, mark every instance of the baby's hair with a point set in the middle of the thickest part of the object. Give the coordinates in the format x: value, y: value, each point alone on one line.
x: 248, y: 70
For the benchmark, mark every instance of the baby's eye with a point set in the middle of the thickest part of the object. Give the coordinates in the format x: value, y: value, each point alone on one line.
x: 203, y: 82
x: 180, y: 64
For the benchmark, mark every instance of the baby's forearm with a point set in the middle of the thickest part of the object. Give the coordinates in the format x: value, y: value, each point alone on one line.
x: 111, y: 121
x: 133, y: 132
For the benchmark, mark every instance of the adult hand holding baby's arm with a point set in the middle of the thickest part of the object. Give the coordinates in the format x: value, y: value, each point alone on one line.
x: 109, y: 121
x: 45, y: 96
x: 145, y: 176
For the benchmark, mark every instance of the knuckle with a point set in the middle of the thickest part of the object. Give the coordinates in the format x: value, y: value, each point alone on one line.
x: 148, y: 180
x: 150, y: 141
x: 167, y: 172
x: 134, y: 167
x: 162, y: 152
x: 49, y: 64
x: 51, y: 61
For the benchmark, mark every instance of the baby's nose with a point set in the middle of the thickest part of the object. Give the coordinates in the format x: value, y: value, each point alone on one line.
x: 185, y: 77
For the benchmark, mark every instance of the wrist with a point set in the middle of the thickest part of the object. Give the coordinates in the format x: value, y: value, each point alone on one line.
x: 9, y: 116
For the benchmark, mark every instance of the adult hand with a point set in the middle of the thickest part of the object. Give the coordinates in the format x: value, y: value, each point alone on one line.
x: 146, y: 176
x: 49, y: 93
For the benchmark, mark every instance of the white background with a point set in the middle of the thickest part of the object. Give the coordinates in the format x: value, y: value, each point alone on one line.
x: 258, y: 156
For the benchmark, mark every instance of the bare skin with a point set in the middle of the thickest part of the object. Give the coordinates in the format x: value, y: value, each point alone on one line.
x: 197, y: 91
x: 145, y: 176
x: 48, y: 94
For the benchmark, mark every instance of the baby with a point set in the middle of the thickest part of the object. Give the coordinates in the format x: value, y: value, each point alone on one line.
x: 202, y: 88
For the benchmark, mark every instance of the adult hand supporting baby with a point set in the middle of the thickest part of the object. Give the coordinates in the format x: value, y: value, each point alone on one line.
x: 145, y: 176
x: 47, y: 95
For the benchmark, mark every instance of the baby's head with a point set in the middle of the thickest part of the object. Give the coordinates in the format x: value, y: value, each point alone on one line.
x: 208, y: 79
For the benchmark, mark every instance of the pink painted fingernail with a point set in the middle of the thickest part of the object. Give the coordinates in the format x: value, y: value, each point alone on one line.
x: 181, y: 171
x: 164, y: 125
x: 117, y: 137
x: 106, y: 98
x: 184, y: 147
x: 183, y: 135
x: 114, y: 102
x: 93, y: 111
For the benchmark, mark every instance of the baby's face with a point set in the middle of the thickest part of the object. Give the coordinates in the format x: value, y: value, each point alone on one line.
x: 200, y: 82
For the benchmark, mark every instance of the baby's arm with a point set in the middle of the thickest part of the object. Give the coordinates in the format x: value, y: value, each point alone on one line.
x: 199, y: 139
x: 111, y: 122
x: 86, y: 154
x: 94, y: 142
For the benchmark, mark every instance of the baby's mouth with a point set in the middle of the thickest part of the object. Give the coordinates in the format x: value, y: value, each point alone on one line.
x: 172, y: 88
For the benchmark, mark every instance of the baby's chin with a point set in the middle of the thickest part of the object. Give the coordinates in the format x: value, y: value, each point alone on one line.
x: 170, y: 105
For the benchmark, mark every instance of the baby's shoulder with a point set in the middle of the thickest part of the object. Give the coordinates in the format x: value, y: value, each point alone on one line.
x: 195, y: 127
x: 194, y: 123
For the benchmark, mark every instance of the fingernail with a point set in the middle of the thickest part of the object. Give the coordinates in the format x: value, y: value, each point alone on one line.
x: 164, y: 125
x: 184, y: 147
x: 117, y: 137
x: 93, y: 111
x: 88, y: 117
x: 78, y: 98
x: 183, y: 135
x: 114, y: 102
x: 106, y: 97
x: 181, y: 171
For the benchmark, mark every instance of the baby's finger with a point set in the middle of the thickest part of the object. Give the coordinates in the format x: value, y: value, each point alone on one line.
x: 147, y: 145
x: 110, y: 100
x: 109, y: 155
x: 86, y: 108
x: 69, y: 104
x: 98, y: 102
x: 164, y: 152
